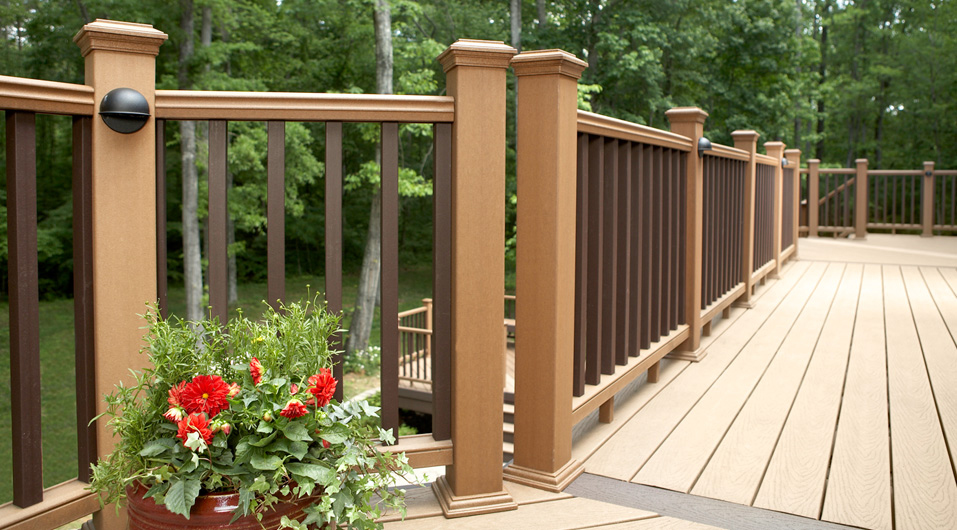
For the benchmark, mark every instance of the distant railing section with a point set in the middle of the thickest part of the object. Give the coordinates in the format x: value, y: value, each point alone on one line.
x: 415, y: 344
x: 764, y: 190
x: 910, y: 200
x: 23, y: 99
x: 788, y: 206
x: 723, y: 223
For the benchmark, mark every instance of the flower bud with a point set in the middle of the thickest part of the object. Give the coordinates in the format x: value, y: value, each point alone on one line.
x: 175, y: 414
x: 226, y: 428
x: 293, y: 388
x: 233, y: 389
x: 267, y: 416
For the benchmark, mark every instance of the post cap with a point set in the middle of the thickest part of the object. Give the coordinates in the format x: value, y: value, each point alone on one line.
x: 129, y: 37
x: 792, y: 152
x: 547, y: 62
x: 686, y: 114
x: 746, y: 135
x: 861, y: 161
x: 480, y: 53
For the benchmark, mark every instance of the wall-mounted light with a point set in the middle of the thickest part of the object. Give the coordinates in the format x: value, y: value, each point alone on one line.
x: 784, y: 162
x: 124, y: 110
x: 704, y: 144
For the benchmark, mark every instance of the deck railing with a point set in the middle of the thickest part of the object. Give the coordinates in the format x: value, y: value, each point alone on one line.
x: 909, y: 200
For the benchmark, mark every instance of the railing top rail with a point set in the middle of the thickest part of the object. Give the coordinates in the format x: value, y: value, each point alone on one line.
x: 295, y: 106
x: 946, y: 172
x: 723, y: 151
x: 766, y: 160
x: 591, y: 123
x: 46, y: 97
x: 411, y: 312
x: 837, y: 171
x: 896, y: 172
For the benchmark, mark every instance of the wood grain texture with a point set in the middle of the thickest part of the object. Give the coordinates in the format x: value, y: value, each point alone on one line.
x: 566, y: 514
x: 859, y: 489
x: 735, y: 470
x: 795, y: 478
x: 925, y: 494
x: 658, y: 523
x: 678, y: 462
x: 624, y: 454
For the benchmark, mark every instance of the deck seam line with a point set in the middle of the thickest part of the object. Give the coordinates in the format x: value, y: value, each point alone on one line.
x: 930, y: 381
x: 743, y: 346
x: 840, y: 405
x: 810, y: 358
x: 890, y: 426
x: 758, y: 382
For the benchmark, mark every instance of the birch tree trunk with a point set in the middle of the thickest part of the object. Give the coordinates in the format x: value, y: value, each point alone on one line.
x: 192, y: 254
x: 361, y: 325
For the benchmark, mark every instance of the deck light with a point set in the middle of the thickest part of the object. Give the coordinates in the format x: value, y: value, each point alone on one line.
x: 124, y: 110
x: 784, y: 162
x: 704, y: 144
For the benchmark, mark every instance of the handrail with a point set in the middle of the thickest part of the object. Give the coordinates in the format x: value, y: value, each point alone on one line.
x: 896, y: 172
x: 292, y: 106
x: 413, y: 312
x: 724, y: 151
x: 836, y: 190
x: 46, y: 97
x: 591, y: 123
x: 766, y: 160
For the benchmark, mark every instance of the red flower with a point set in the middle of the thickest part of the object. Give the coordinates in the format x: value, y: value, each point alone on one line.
x: 293, y: 388
x: 325, y: 444
x: 206, y: 393
x: 194, y: 423
x: 256, y: 370
x: 175, y: 414
x: 293, y: 409
x: 175, y: 393
x: 323, y: 386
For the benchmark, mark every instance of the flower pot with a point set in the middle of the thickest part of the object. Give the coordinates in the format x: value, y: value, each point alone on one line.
x: 211, y: 511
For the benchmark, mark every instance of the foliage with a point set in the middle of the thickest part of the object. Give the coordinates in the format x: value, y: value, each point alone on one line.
x: 246, y: 408
x: 366, y: 362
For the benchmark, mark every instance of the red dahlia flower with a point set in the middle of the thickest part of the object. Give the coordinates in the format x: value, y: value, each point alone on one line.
x: 175, y: 393
x: 293, y: 409
x: 206, y: 393
x: 256, y: 370
x: 323, y: 386
x: 194, y: 423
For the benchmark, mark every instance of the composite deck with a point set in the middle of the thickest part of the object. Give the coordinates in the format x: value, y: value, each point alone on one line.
x: 834, y: 398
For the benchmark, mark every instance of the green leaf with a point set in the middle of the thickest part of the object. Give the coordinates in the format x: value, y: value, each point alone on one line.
x: 297, y: 432
x: 265, y: 441
x: 156, y: 447
x: 264, y: 462
x: 182, y: 495
x: 335, y: 434
x: 315, y: 472
x: 298, y: 449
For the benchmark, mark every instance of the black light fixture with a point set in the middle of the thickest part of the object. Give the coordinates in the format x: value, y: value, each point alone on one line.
x: 704, y: 144
x: 124, y: 110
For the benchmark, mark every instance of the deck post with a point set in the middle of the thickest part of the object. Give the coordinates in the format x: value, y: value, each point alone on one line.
x: 689, y: 122
x: 928, y: 189
x: 776, y: 151
x: 545, y: 269
x: 475, y: 72
x: 747, y: 141
x: 813, y: 196
x: 860, y: 199
x: 427, y: 302
x: 794, y: 162
x: 120, y: 54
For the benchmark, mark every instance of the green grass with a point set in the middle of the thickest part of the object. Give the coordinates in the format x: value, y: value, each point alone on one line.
x: 57, y: 367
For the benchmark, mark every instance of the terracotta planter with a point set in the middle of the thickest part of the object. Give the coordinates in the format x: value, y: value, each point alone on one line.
x: 211, y: 511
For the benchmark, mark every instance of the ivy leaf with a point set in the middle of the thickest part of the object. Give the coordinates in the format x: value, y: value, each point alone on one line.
x: 315, y: 472
x: 156, y: 447
x: 335, y: 434
x: 181, y: 496
x: 297, y: 432
x: 298, y: 449
x: 264, y: 462
x: 265, y: 441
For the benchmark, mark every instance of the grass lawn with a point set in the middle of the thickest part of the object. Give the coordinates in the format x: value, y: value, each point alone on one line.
x: 57, y: 365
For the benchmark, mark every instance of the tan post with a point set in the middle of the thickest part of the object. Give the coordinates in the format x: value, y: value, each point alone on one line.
x: 689, y: 122
x: 428, y: 325
x: 927, y: 200
x: 860, y: 199
x: 813, y: 196
x: 794, y: 162
x: 475, y: 73
x: 545, y: 272
x: 120, y: 54
x: 776, y: 151
x: 747, y: 141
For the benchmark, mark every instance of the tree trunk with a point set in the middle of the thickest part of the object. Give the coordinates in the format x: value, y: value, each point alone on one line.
x: 516, y: 20
x: 822, y: 70
x: 192, y: 253
x: 361, y: 325
x: 542, y: 14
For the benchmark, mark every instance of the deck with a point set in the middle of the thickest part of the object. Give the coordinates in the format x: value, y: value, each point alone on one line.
x: 832, y: 400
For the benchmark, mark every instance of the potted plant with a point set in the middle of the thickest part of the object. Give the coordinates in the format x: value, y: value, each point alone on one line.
x: 240, y: 420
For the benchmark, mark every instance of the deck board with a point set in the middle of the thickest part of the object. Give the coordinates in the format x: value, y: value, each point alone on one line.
x: 795, y: 477
x: 658, y: 523
x: 678, y: 462
x: 735, y: 471
x: 624, y: 453
x: 858, y: 490
x: 925, y: 494
x: 940, y: 353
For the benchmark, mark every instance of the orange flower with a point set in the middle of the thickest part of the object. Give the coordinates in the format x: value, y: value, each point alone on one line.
x: 206, y: 393
x: 256, y: 370
x: 323, y: 387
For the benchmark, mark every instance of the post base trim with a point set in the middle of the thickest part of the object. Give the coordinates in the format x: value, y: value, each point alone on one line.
x: 465, y: 505
x: 555, y: 482
x: 693, y: 356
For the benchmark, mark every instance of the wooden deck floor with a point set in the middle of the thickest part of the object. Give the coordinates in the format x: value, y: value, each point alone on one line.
x: 834, y: 398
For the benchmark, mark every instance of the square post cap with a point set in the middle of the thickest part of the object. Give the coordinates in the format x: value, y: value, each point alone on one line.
x: 795, y: 152
x: 861, y: 161
x: 128, y: 37
x: 478, y: 53
x: 746, y: 140
x: 686, y: 114
x: 548, y: 62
